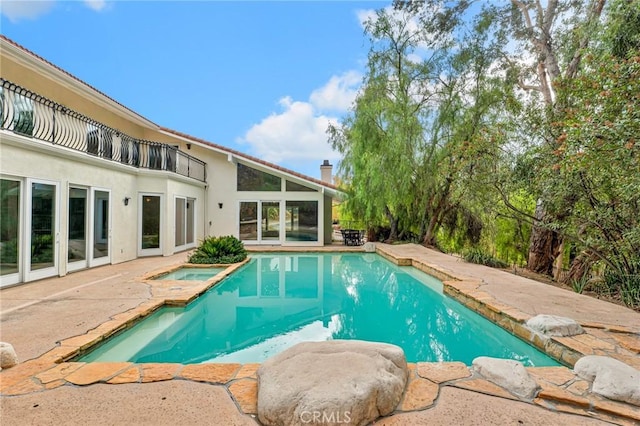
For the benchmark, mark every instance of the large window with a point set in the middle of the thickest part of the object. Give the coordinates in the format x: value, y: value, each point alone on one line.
x: 254, y: 180
x: 302, y: 221
x: 296, y: 187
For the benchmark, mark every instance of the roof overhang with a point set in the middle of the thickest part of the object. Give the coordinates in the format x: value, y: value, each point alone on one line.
x: 52, y: 72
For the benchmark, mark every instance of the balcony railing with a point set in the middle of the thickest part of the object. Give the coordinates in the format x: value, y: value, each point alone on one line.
x: 32, y: 115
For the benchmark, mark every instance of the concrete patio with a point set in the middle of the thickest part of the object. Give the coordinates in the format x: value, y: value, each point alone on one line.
x: 50, y: 320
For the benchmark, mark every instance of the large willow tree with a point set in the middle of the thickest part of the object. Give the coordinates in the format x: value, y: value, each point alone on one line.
x: 418, y: 132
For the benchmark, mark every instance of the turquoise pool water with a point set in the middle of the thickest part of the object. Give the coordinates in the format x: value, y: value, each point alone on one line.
x: 278, y: 300
x: 191, y: 274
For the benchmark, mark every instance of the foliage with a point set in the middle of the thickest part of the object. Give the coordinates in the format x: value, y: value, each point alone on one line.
x: 626, y: 285
x: 480, y: 257
x: 9, y: 252
x: 219, y: 250
x: 508, y: 128
x: 579, y: 285
x: 417, y: 139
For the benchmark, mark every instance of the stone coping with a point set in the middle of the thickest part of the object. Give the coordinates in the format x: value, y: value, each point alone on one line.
x: 560, y: 389
x: 618, y: 342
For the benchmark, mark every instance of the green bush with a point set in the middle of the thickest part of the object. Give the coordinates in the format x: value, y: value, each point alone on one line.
x: 221, y: 250
x: 626, y: 285
x: 476, y: 255
x: 581, y: 284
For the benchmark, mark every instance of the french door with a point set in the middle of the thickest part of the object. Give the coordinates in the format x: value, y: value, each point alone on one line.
x: 150, y: 220
x: 260, y: 222
x: 42, y: 235
x: 184, y: 223
x: 89, y: 230
x: 11, y: 228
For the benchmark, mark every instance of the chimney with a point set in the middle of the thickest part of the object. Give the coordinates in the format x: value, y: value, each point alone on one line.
x: 326, y: 171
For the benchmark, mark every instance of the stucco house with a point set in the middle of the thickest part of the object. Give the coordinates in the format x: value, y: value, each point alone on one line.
x: 85, y: 181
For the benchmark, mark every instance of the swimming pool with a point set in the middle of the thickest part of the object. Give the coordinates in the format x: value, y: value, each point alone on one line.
x: 277, y: 300
x: 191, y: 274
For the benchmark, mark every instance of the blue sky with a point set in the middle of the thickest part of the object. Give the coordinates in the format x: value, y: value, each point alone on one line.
x: 262, y: 77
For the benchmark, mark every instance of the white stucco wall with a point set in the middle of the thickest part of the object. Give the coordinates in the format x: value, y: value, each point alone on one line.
x: 23, y: 158
x: 222, y: 184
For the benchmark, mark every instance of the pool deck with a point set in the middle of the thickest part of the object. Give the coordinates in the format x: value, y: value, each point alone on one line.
x: 49, y: 321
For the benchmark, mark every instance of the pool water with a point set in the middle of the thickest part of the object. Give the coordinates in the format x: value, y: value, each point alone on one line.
x: 191, y: 274
x: 278, y: 300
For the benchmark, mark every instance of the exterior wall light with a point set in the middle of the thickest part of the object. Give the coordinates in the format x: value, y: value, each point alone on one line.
x: 126, y: 201
x: 220, y: 205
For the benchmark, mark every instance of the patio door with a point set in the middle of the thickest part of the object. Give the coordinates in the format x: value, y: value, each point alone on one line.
x: 270, y: 221
x: 77, y: 237
x: 260, y: 222
x: 10, y: 231
x: 41, y: 242
x: 89, y: 231
x: 150, y: 220
x: 100, y: 252
x: 184, y: 223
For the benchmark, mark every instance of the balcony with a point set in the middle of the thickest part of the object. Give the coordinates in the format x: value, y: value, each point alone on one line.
x: 29, y: 114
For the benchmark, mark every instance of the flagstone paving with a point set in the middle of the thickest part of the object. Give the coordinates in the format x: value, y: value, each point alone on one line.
x: 47, y: 388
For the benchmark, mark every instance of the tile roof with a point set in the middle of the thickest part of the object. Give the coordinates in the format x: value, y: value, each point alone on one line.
x: 184, y: 135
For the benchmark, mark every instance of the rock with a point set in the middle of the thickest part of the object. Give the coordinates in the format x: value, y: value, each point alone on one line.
x: 509, y: 374
x: 611, y: 378
x: 8, y: 357
x: 369, y: 247
x: 333, y: 382
x: 551, y: 325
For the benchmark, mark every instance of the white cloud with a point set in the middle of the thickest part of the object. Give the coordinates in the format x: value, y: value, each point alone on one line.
x: 16, y: 10
x: 96, y: 5
x: 365, y: 15
x: 338, y: 94
x: 298, y: 133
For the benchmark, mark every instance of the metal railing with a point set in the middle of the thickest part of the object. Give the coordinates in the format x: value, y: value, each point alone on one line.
x: 29, y: 114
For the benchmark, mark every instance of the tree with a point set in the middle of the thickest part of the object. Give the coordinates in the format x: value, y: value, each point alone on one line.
x: 417, y: 133
x: 382, y: 139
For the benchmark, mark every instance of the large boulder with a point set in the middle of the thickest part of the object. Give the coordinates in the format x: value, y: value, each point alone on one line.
x: 552, y: 325
x: 611, y: 378
x: 507, y: 373
x: 334, y: 382
x: 8, y: 357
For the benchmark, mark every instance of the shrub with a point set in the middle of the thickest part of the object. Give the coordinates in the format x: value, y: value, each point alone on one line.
x: 476, y: 255
x: 579, y: 285
x: 221, y: 250
x: 626, y: 285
